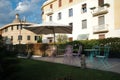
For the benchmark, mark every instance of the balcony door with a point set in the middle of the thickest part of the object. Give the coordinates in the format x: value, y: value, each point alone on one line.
x: 100, y: 2
x: 101, y: 20
x: 101, y: 36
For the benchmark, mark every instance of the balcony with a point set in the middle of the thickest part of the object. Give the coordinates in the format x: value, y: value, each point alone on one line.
x: 100, y: 29
x: 49, y: 11
x: 99, y: 11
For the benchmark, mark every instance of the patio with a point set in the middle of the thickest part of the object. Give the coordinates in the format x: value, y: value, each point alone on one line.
x: 114, y: 62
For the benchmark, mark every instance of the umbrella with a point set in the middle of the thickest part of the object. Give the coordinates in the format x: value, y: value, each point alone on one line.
x: 50, y: 28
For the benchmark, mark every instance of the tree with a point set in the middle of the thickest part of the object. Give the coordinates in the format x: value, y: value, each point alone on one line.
x: 8, y: 63
x: 62, y: 38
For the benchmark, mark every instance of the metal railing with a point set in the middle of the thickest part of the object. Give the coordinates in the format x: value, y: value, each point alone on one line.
x: 49, y: 11
x: 100, y: 28
x: 99, y: 10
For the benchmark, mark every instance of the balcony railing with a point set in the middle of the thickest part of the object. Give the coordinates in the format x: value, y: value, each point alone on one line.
x: 49, y: 11
x: 100, y: 10
x: 100, y: 28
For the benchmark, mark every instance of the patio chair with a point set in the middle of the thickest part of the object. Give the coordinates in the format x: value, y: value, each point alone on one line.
x: 68, y: 57
x: 92, y: 53
x: 77, y: 55
x: 103, y: 59
x: 79, y: 51
x: 97, y: 50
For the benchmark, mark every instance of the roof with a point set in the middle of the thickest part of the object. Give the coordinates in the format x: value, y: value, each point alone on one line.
x: 16, y: 21
x: 47, y: 2
x: 12, y: 24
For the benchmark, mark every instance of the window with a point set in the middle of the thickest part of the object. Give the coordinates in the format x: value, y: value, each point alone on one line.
x: 84, y: 8
x: 11, y: 27
x: 59, y: 15
x: 60, y: 3
x: 20, y: 37
x: 84, y: 24
x: 70, y: 0
x: 20, y: 26
x: 11, y: 38
x: 51, y: 6
x: 42, y: 12
x: 101, y: 20
x: 70, y: 12
x: 28, y: 37
x: 101, y: 36
x: 6, y: 29
x: 17, y: 27
x: 100, y: 2
x: 2, y: 31
x: 36, y: 38
x: 71, y: 24
x: 50, y: 18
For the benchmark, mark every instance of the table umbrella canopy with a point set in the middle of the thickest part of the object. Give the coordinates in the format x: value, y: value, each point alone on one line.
x: 50, y: 28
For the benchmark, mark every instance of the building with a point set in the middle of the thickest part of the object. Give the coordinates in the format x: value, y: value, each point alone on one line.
x: 91, y: 19
x: 14, y: 33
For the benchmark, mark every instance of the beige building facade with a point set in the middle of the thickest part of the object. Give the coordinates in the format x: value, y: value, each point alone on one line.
x: 14, y: 33
x: 91, y: 19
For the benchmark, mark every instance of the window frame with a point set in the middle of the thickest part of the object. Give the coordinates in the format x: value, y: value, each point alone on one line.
x: 19, y: 37
x: 17, y: 27
x: 70, y: 1
x: 51, y: 6
x: 59, y: 3
x: 36, y: 38
x: 71, y: 24
x: 70, y: 12
x: 100, y: 2
x: 101, y: 20
x: 84, y: 8
x: 84, y: 24
x: 50, y: 18
x: 28, y: 37
x: 12, y: 28
x: 59, y: 16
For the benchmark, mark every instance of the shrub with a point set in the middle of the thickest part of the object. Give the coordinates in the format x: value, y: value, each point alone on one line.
x: 114, y: 44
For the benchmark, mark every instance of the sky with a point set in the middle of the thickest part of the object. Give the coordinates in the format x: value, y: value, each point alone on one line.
x: 29, y: 9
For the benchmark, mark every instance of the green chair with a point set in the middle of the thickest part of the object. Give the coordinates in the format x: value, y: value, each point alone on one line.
x: 97, y: 50
x: 103, y: 59
x: 92, y: 53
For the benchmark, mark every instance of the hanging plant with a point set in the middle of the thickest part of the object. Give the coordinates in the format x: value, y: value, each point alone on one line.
x: 92, y: 8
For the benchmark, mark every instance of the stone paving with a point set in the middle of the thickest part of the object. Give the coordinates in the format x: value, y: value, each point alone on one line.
x: 114, y: 64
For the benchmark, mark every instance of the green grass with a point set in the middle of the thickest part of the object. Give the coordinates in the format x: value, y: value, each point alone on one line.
x: 40, y: 70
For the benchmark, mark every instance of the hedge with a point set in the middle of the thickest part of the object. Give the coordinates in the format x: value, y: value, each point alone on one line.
x: 114, y: 44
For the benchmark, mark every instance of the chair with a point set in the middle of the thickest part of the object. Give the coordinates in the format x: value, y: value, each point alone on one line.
x: 103, y: 59
x: 77, y: 55
x: 79, y: 51
x: 68, y: 57
x: 97, y: 50
x: 92, y: 53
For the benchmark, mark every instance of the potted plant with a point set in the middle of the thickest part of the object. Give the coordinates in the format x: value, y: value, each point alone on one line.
x: 106, y: 4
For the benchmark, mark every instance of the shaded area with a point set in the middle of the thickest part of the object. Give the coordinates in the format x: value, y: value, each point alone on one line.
x: 8, y: 63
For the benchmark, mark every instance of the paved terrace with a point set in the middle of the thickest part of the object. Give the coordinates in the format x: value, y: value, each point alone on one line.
x: 113, y: 62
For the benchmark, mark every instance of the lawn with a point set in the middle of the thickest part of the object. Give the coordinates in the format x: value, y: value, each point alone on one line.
x: 40, y: 70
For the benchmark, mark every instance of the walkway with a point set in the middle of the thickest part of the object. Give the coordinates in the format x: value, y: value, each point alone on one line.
x: 115, y: 63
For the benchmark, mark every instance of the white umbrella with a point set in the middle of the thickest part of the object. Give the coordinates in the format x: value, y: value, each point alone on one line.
x: 50, y: 28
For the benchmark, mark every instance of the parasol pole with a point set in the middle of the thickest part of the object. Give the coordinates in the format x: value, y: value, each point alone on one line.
x: 54, y: 36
